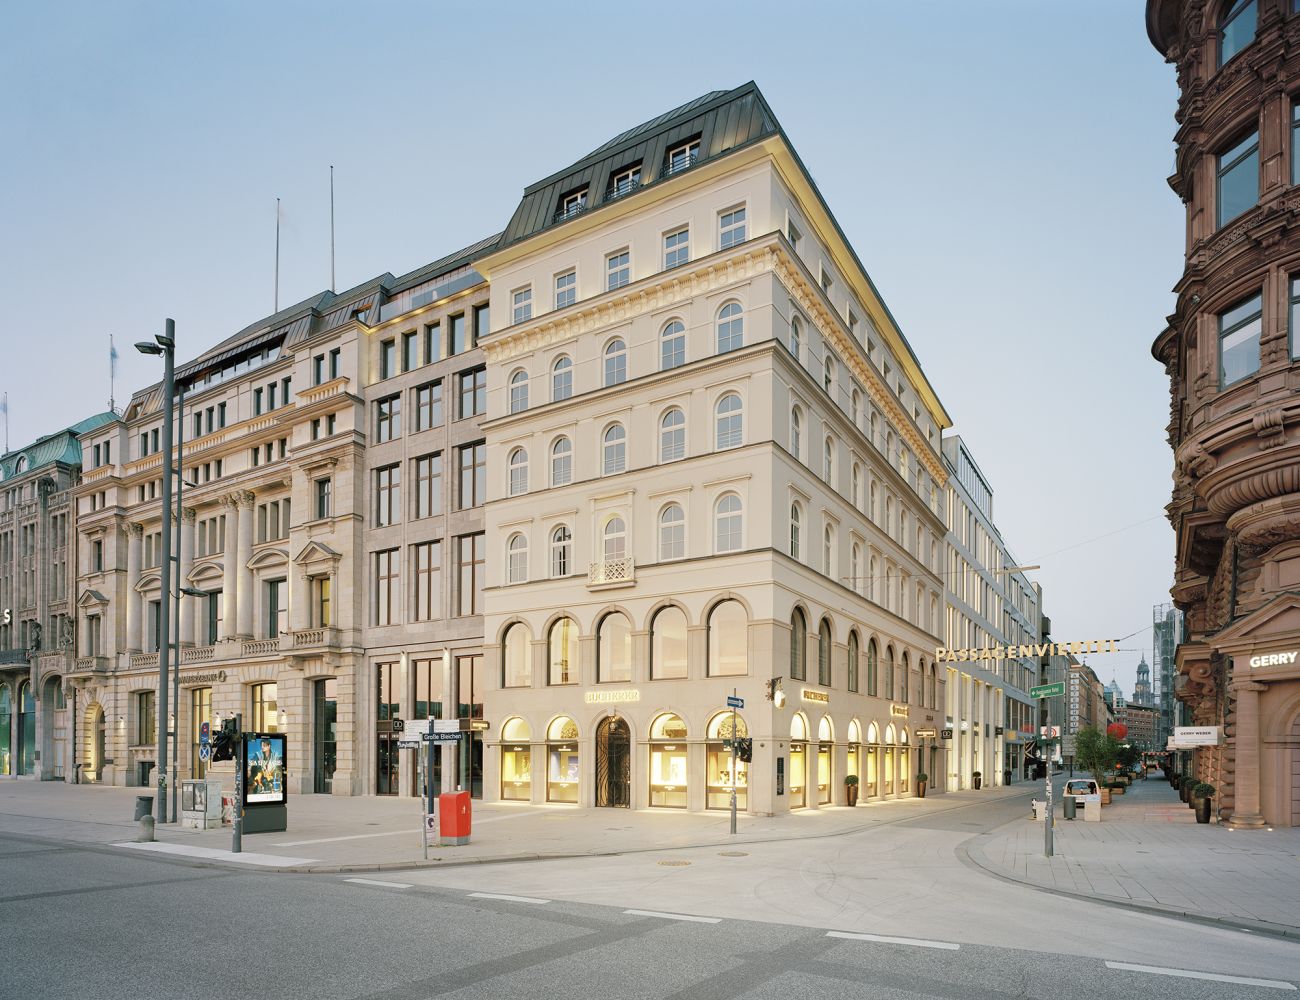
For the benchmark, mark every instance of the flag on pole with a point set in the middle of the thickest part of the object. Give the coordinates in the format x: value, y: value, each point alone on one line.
x: 112, y: 357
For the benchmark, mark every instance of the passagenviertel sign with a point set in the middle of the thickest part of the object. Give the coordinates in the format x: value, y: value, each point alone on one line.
x: 944, y: 655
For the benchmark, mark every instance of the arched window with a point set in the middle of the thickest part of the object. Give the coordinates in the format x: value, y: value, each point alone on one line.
x: 20, y: 466
x: 871, y: 501
x: 516, y: 657
x: 615, y: 539
x: 871, y: 579
x: 672, y: 435
x: 828, y: 374
x: 828, y: 550
x: 728, y: 640
x: 563, y: 642
x: 875, y: 429
x: 561, y: 462
x: 904, y: 463
x: 855, y: 406
x: 828, y: 460
x: 729, y: 422
x: 798, y: 645
x: 518, y: 472
x: 889, y: 516
x: 902, y: 524
x: 614, y: 648
x: 855, y: 568
x: 1237, y: 29
x: 672, y: 346
x: 561, y: 379
x: 519, y: 391
x: 934, y: 687
x: 728, y: 519
x: 561, y: 551
x: 918, y: 608
x: 796, y: 529
x: 856, y: 486
x: 904, y: 679
x: 615, y: 362
x: 934, y: 615
x: 731, y: 328
x: 889, y: 447
x: 614, y: 450
x: 517, y: 559
x: 889, y: 672
x: 853, y: 665
x: 668, y: 644
x: 796, y: 337
x: 796, y: 432
x: 672, y: 532
x: 824, y: 650
x: 872, y: 668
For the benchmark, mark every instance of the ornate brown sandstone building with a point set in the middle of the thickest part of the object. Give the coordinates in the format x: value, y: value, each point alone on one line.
x: 1230, y: 350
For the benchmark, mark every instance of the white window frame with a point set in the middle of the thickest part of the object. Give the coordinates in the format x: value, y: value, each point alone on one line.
x: 518, y: 472
x: 521, y: 303
x: 735, y: 524
x: 615, y: 354
x: 672, y: 534
x: 519, y: 391
x: 735, y: 419
x: 678, y: 253
x: 672, y: 344
x: 566, y: 294
x: 672, y: 439
x: 561, y: 375
x: 613, y: 451
x: 561, y: 551
x: 618, y: 269
x: 517, y: 558
x: 732, y: 230
x: 565, y: 457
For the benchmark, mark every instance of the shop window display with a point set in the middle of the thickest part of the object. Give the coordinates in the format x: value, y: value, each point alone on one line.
x: 719, y: 764
x: 798, y: 762
x: 562, y: 761
x: 516, y: 761
x: 668, y: 762
x: 853, y: 759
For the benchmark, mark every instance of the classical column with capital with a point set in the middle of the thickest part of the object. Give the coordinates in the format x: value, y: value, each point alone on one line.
x: 1245, y: 809
x: 134, y: 542
x: 244, y: 552
x: 229, y: 581
x: 185, y: 627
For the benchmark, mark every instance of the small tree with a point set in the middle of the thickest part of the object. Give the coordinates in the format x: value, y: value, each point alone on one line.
x: 1094, y: 751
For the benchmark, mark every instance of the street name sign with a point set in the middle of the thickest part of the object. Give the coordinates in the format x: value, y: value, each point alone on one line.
x: 1056, y: 690
x: 442, y: 737
x: 413, y: 744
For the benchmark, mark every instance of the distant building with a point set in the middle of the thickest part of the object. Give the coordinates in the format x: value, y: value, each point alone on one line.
x: 1142, y: 689
x: 1142, y: 722
x: 1167, y: 628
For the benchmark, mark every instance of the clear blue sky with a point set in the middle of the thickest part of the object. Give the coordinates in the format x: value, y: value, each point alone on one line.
x: 998, y: 165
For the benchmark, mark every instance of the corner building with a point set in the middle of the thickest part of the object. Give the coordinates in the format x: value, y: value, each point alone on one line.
x: 714, y: 464
x: 1232, y: 353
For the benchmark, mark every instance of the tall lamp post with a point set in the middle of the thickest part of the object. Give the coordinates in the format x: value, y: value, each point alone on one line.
x: 164, y: 344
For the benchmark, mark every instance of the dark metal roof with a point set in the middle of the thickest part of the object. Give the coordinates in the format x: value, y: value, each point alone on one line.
x: 722, y: 120
x: 441, y: 266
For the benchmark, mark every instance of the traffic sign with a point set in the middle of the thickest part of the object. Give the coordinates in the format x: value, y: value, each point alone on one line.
x: 1056, y: 690
x: 734, y: 702
x: 415, y: 728
x: 446, y: 725
x: 204, y: 751
x: 442, y: 737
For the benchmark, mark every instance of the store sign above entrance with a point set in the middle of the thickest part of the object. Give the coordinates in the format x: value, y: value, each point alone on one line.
x: 1275, y: 659
x: 1194, y: 736
x: 821, y: 697
x: 944, y: 655
x: 898, y: 711
x: 925, y: 733
x: 606, y: 697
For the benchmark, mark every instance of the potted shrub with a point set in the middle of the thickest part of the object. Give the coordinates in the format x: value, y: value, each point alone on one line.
x: 921, y: 779
x: 1202, y: 800
x: 1103, y: 789
x: 1185, y: 789
x: 851, y: 789
x: 1116, y: 786
x: 978, y: 779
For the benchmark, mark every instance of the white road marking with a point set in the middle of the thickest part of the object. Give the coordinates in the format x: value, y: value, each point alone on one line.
x: 212, y: 854
x: 508, y: 898
x: 674, y: 916
x: 356, y: 836
x: 385, y: 885
x: 1155, y: 970
x: 883, y: 939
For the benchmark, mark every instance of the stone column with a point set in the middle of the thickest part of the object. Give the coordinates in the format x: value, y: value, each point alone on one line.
x: 1245, y: 810
x: 244, y: 575
x: 134, y: 541
x: 185, y: 626
x: 229, y: 564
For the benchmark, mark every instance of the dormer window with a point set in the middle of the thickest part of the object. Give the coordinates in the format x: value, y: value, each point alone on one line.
x: 572, y: 204
x: 681, y: 157
x: 624, y: 182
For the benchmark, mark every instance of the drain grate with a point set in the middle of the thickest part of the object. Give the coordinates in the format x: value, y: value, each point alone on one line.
x: 733, y: 854
x: 674, y: 864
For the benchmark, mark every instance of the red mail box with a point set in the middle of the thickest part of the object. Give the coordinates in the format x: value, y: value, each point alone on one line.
x: 453, y: 818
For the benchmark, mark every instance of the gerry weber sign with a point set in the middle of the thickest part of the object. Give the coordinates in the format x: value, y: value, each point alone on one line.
x: 1275, y: 659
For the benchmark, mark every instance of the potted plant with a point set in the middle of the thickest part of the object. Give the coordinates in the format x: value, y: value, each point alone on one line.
x: 1185, y: 789
x: 977, y: 779
x: 1202, y: 796
x: 851, y: 789
x: 1117, y: 786
x: 1103, y: 789
x: 921, y: 779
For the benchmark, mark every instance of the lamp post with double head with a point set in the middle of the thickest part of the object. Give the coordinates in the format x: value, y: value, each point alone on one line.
x: 165, y: 345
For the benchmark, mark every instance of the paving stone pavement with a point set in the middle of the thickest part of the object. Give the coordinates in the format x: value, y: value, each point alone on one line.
x: 1149, y: 850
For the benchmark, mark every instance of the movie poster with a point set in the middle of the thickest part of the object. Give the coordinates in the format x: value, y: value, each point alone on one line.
x: 264, y: 781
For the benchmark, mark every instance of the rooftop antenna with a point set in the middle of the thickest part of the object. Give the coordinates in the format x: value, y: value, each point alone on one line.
x: 277, y: 256
x: 332, y: 285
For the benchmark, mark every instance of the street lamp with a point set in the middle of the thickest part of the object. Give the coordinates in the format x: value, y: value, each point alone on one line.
x: 165, y: 345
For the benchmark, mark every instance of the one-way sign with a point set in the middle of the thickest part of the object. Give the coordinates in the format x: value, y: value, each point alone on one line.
x: 734, y: 702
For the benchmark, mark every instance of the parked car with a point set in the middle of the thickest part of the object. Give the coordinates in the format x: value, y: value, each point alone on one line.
x: 1081, y: 786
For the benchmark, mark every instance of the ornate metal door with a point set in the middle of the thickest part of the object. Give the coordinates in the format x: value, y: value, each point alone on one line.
x: 613, y: 764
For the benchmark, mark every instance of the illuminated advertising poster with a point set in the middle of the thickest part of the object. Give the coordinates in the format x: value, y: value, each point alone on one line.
x: 264, y: 782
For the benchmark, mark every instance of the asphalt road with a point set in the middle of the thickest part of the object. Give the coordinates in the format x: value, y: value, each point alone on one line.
x: 85, y: 923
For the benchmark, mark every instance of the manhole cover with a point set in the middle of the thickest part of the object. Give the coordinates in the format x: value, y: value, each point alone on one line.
x: 674, y: 864
x: 733, y: 854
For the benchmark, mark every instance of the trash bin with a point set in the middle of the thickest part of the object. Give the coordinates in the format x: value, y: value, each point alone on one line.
x: 1068, y: 803
x: 1006, y: 776
x: 143, y: 806
x: 453, y: 819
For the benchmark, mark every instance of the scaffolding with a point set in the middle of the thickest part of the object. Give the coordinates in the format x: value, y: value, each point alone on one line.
x: 1166, y: 634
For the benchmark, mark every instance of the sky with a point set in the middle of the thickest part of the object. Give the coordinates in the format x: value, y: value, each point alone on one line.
x: 999, y: 166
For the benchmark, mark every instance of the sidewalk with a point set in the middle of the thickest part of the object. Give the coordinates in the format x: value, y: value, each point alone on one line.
x: 332, y: 834
x: 1148, y: 851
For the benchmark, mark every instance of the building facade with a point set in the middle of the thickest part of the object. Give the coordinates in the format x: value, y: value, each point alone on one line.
x: 1086, y: 699
x: 1230, y: 349
x: 714, y: 467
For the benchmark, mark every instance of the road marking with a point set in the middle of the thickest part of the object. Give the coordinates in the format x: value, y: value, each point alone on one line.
x: 883, y: 939
x: 243, y: 858
x: 385, y: 885
x: 508, y: 898
x: 1155, y: 970
x: 355, y: 836
x: 674, y: 916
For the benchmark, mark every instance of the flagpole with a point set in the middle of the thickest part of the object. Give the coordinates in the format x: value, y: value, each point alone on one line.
x: 112, y: 375
x: 333, y: 286
x: 277, y: 256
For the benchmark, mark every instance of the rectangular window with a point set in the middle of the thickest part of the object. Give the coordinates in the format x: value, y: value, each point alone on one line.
x: 456, y: 332
x: 793, y: 235
x: 1239, y: 330
x: 266, y: 715
x: 335, y: 356
x: 386, y: 589
x: 1237, y: 174
x: 1294, y: 317
x: 323, y: 600
x: 315, y: 429
x: 388, y: 495
x: 566, y: 289
x: 681, y: 157
x: 432, y: 343
x: 324, y: 506
x: 732, y: 228
x: 387, y: 359
x: 472, y: 463
x: 426, y: 567
x: 677, y: 248
x: 618, y: 269
x: 625, y: 182
x: 522, y: 305
x: 470, y: 551
x: 572, y: 204
x: 473, y: 393
x: 428, y: 485
x: 146, y: 718
x: 318, y: 369
x: 481, y: 324
x: 97, y: 556
x: 388, y: 418
x: 277, y: 610
x: 410, y: 351
x: 428, y: 405
x: 257, y: 402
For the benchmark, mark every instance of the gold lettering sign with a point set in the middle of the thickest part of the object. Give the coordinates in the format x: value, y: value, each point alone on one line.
x: 606, y: 697
x: 944, y: 655
x: 898, y: 710
x: 808, y: 694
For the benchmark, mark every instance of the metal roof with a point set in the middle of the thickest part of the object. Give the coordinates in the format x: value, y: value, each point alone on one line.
x: 61, y: 446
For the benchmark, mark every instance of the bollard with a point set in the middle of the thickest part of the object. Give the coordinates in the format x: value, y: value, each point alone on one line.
x: 145, y: 836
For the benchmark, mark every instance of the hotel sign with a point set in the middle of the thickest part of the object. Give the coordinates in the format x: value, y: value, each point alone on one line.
x: 1275, y: 659
x: 944, y: 655
x: 898, y: 711
x: 608, y: 697
x: 821, y: 697
x: 212, y: 677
